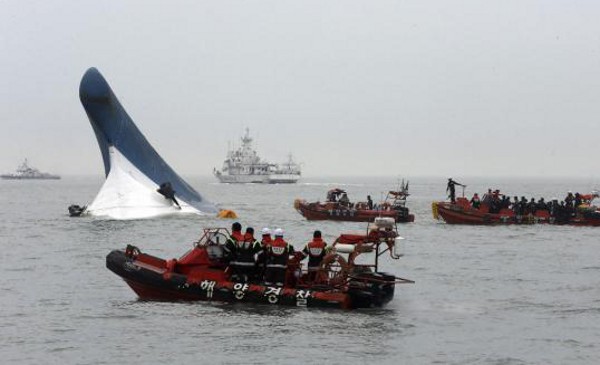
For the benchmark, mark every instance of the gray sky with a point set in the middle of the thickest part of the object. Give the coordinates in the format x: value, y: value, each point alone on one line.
x: 349, y: 87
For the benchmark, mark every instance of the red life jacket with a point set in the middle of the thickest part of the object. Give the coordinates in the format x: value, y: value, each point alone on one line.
x: 237, y: 235
x: 278, y: 253
x: 315, y: 250
x: 278, y: 247
x: 316, y: 247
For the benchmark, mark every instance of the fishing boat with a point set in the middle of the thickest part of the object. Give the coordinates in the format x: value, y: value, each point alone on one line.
x: 462, y: 212
x: 26, y: 172
x: 338, y: 208
x: 243, y: 165
x: 202, y: 273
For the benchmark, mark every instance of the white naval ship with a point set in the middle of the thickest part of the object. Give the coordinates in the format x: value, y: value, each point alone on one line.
x: 25, y: 172
x: 244, y: 166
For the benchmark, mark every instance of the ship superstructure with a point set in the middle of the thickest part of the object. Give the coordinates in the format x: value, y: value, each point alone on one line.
x: 26, y: 172
x: 243, y: 165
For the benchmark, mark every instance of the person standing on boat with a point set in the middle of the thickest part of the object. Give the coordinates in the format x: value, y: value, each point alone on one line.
x: 344, y: 201
x: 315, y: 250
x: 261, y: 258
x: 278, y: 254
x: 475, y: 202
x: 369, y: 202
x: 246, y: 249
x: 231, y: 249
x: 451, y: 189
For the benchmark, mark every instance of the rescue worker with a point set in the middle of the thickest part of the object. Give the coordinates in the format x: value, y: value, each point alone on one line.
x: 234, y: 237
x: 570, y: 200
x: 261, y: 258
x: 532, y: 206
x: 344, y: 201
x: 541, y: 204
x: 578, y: 200
x: 245, y: 256
x: 523, y: 206
x: 241, y: 250
x: 450, y: 188
x: 475, y: 202
x: 315, y: 250
x: 278, y: 254
x: 487, y: 197
x: 515, y: 205
x: 369, y: 202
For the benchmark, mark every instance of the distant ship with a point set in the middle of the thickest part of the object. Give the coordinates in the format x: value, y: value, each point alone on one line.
x: 25, y: 172
x: 244, y: 166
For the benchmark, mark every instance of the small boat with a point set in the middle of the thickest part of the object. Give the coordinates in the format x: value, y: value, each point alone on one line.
x: 25, y: 172
x: 201, y: 274
x: 245, y: 166
x: 394, y: 206
x: 462, y: 212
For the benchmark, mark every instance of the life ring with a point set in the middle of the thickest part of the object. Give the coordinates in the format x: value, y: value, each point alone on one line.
x: 333, y: 271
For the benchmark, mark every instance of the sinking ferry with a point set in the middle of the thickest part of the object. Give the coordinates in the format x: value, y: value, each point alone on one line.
x: 139, y: 183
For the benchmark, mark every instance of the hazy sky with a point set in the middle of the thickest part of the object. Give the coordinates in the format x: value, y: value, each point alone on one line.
x: 349, y: 87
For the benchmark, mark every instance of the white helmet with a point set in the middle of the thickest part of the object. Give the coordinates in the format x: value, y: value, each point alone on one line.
x: 279, y: 232
x: 266, y: 231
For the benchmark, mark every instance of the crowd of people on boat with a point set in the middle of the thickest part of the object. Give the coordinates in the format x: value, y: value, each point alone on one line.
x: 266, y: 260
x: 341, y: 197
x: 495, y: 201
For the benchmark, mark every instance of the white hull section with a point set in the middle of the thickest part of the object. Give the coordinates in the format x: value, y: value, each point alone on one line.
x: 258, y: 179
x: 129, y: 194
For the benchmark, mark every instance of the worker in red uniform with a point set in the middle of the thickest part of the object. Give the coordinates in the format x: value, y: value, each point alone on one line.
x: 278, y: 254
x: 315, y: 250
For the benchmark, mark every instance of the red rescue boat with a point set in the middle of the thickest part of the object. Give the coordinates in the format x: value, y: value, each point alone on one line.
x: 202, y: 275
x: 340, y: 209
x: 462, y: 212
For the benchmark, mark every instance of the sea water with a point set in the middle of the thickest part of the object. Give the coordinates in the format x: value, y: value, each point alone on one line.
x: 483, y: 295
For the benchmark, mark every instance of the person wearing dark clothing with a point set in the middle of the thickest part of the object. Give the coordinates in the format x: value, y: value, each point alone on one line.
x: 166, y: 190
x: 240, y: 249
x: 487, y: 197
x: 278, y: 254
x: 570, y: 201
x: 523, y: 206
x: 369, y: 202
x: 475, y: 202
x: 315, y: 250
x: 554, y: 207
x: 344, y: 201
x: 451, y: 189
x: 515, y: 205
x: 505, y: 202
x: 261, y: 258
x: 244, y: 262
x: 578, y: 200
x: 532, y: 206
x: 541, y: 205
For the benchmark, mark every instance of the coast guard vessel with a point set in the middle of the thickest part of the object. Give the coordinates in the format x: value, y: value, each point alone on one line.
x: 245, y: 166
x: 25, y: 172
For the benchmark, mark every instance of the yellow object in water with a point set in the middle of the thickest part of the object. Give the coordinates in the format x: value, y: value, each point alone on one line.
x: 226, y: 213
x: 434, y: 210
